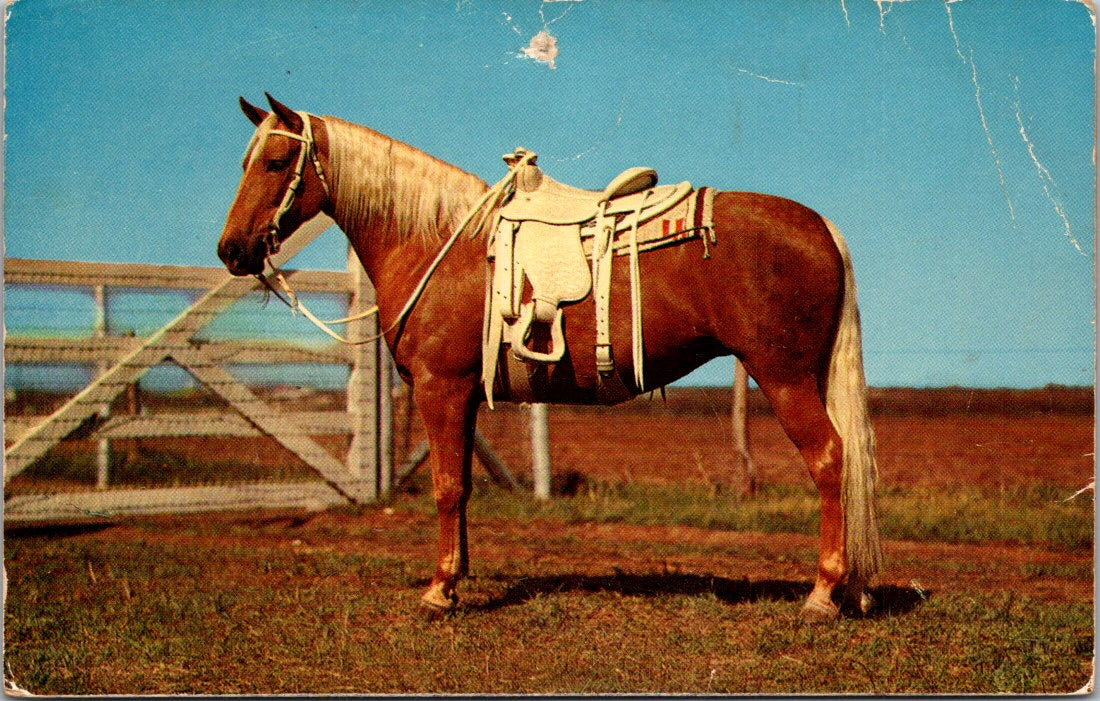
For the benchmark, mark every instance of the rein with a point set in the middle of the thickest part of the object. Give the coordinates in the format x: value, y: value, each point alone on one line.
x: 492, y: 198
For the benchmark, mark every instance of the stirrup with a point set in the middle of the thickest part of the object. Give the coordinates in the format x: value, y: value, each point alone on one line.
x: 522, y: 329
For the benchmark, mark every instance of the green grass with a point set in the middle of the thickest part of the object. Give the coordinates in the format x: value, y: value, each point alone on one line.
x: 1032, y: 516
x: 88, y: 616
x: 329, y: 605
x: 1035, y: 516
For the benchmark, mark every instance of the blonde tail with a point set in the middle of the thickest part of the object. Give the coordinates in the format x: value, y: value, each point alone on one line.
x: 846, y: 401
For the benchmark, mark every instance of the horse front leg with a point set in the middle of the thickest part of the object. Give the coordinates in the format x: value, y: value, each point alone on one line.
x: 449, y: 412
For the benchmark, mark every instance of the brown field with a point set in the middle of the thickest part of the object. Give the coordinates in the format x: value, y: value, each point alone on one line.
x: 714, y: 605
x: 926, y: 437
x: 937, y: 437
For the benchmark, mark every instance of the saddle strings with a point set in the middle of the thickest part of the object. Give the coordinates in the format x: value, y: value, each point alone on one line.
x: 492, y: 198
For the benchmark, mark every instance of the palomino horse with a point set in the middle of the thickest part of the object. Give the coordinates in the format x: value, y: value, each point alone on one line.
x: 777, y: 291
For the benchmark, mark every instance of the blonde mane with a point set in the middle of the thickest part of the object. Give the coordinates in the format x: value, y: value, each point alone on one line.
x: 389, y: 188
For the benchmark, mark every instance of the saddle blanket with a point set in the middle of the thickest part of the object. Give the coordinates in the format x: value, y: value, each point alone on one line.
x: 691, y: 218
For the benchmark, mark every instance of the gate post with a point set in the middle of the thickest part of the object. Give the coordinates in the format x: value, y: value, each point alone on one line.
x: 103, y: 445
x: 385, y: 419
x: 363, y: 394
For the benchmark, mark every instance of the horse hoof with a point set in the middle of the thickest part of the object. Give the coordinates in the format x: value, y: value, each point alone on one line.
x: 434, y: 612
x: 816, y: 612
x: 436, y: 605
x: 859, y: 599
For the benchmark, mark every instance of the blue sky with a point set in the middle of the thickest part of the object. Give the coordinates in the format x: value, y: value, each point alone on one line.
x: 952, y: 143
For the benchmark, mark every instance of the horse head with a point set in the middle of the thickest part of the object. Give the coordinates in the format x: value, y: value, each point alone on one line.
x: 278, y: 192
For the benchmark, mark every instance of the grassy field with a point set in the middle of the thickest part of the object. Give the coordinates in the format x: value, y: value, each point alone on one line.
x: 617, y: 588
x: 647, y: 572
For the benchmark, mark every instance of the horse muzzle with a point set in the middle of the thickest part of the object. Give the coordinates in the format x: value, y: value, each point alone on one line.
x: 243, y: 255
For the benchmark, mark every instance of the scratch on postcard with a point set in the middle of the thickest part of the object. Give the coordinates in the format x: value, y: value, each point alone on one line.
x: 989, y: 136
x: 543, y: 47
x: 951, y: 26
x: 769, y: 79
x: 1044, y: 175
x: 601, y: 142
x: 981, y: 109
x: 882, y: 12
x: 1047, y: 180
x: 1090, y: 487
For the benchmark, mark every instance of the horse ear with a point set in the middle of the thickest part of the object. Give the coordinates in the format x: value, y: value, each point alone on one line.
x: 254, y: 113
x: 288, y: 116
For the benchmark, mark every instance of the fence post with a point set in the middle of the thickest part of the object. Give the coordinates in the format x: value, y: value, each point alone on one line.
x: 364, y: 396
x: 385, y: 418
x: 103, y: 446
x: 540, y: 449
x: 740, y: 426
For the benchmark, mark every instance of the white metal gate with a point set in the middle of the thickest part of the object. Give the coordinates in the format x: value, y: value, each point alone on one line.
x: 361, y: 477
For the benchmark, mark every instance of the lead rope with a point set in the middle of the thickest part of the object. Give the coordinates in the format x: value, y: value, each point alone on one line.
x: 494, y: 194
x: 638, y: 348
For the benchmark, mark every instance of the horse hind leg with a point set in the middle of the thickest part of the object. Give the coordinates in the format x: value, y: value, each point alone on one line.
x: 802, y: 413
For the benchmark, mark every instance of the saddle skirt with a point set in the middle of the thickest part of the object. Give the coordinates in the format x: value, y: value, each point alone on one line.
x: 559, y: 242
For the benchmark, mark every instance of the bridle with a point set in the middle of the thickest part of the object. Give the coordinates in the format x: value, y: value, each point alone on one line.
x: 272, y: 238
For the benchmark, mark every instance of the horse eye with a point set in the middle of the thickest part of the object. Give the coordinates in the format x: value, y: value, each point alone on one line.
x: 277, y: 164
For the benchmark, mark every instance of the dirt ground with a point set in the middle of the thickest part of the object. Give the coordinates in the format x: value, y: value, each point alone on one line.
x: 571, y: 581
x: 997, y: 439
x: 593, y: 550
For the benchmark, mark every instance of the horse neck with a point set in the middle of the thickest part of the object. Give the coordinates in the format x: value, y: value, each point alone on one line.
x: 396, y: 204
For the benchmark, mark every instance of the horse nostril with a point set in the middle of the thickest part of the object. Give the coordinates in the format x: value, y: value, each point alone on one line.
x: 242, y: 256
x: 260, y: 248
x: 234, y: 255
x: 228, y: 251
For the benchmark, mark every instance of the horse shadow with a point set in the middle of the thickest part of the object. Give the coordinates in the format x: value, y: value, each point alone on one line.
x: 890, y: 600
x: 56, y: 531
